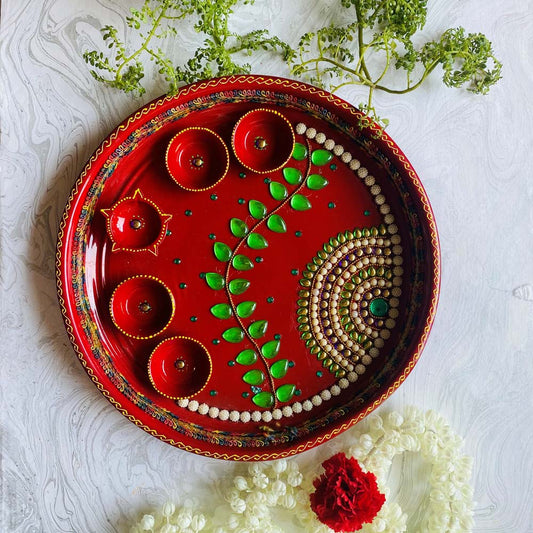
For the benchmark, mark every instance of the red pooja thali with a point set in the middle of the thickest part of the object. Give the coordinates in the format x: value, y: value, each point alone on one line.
x: 244, y: 270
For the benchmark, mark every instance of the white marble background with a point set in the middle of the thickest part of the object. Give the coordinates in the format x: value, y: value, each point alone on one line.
x: 70, y: 461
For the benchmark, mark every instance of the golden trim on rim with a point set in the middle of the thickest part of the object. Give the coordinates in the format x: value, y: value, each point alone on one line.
x: 219, y: 138
x: 275, y: 113
x: 165, y: 218
x: 172, y: 301
x: 182, y: 397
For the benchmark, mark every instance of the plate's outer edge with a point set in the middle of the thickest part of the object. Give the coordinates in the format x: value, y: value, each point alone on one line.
x: 63, y: 279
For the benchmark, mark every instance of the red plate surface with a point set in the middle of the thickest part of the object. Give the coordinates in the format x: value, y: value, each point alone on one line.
x: 303, y: 296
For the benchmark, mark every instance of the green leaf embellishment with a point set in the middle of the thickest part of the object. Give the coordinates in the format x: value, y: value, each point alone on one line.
x: 278, y: 191
x: 241, y: 262
x: 238, y: 227
x: 254, y: 377
x: 246, y: 309
x: 238, y: 286
x: 276, y: 224
x: 214, y: 280
x: 247, y: 357
x: 316, y: 182
x: 233, y: 335
x: 321, y: 157
x: 257, y: 209
x: 292, y: 175
x: 222, y: 311
x: 222, y: 251
x: 256, y: 241
x: 300, y: 203
x: 285, y: 392
x: 300, y: 152
x: 270, y: 349
x: 258, y: 329
x: 264, y: 399
x: 279, y: 368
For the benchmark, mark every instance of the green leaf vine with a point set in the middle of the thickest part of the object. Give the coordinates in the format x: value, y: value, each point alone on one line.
x: 248, y: 327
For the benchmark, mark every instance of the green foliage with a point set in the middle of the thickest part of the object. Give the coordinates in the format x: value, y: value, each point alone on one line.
x: 382, y: 33
x: 155, y: 22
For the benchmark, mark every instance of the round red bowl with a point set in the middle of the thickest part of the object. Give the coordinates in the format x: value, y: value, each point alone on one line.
x: 136, y: 224
x: 197, y: 159
x: 263, y: 140
x: 179, y: 367
x: 142, y: 307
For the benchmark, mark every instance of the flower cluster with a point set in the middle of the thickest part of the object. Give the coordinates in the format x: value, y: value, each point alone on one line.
x: 254, y: 498
x: 345, y: 496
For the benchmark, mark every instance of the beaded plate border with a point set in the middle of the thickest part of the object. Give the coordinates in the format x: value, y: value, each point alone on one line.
x: 254, y: 95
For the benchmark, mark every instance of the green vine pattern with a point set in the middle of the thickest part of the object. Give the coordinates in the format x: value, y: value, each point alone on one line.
x: 235, y: 261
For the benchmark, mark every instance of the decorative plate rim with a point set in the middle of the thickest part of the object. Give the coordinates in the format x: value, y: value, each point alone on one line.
x: 268, y: 82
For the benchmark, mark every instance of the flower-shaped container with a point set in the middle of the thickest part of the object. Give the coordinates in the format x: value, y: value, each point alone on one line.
x: 142, y: 307
x: 136, y: 224
x: 263, y: 140
x: 197, y: 159
x: 179, y: 367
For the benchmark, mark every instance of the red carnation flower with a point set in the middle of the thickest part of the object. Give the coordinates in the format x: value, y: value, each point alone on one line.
x: 345, y: 496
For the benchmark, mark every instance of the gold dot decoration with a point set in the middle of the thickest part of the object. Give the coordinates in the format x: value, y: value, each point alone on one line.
x: 349, y: 298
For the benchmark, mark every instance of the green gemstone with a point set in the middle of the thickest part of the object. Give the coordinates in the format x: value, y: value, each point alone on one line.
x: 241, y: 262
x: 279, y: 368
x: 321, y: 157
x: 264, y: 399
x: 222, y: 311
x: 278, y: 191
x: 270, y: 349
x: 270, y: 299
x: 277, y: 336
x: 188, y: 213
x: 241, y: 201
x: 300, y: 152
x: 233, y: 335
x: 254, y: 377
x: 331, y: 205
x: 214, y: 197
x: 292, y: 175
x: 379, y: 307
x: 276, y: 224
x: 177, y: 261
x: 246, y: 357
x: 256, y: 241
x: 258, y: 329
x: 238, y: 286
x: 300, y: 203
x: 316, y: 182
x: 222, y: 251
x: 257, y: 209
x: 246, y: 309
x: 214, y: 280
x: 238, y: 227
x: 285, y: 392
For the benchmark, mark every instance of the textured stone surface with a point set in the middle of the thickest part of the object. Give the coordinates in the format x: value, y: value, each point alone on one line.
x: 70, y: 461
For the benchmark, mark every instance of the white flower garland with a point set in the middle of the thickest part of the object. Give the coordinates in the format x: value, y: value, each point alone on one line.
x: 280, y: 485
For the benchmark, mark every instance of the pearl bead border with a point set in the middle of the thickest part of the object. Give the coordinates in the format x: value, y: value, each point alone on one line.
x: 352, y: 376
